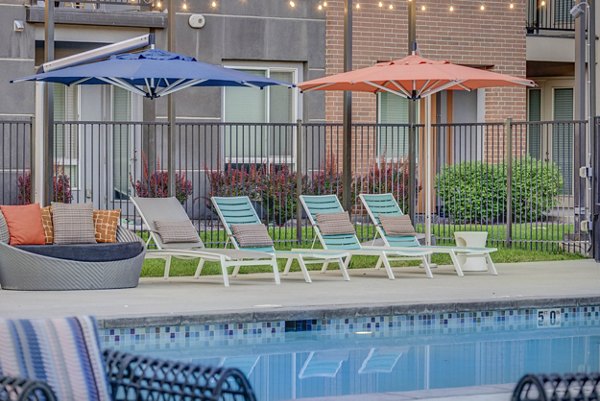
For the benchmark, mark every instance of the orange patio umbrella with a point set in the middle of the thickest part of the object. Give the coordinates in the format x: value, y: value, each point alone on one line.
x: 415, y: 77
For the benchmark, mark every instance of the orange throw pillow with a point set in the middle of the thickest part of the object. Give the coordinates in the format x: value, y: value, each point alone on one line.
x: 24, y: 224
x: 105, y: 223
x: 47, y: 224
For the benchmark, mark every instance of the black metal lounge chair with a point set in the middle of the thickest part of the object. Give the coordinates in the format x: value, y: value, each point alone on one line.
x: 65, y: 352
x: 554, y: 387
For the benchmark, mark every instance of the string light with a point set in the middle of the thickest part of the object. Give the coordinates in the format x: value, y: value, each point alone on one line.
x: 451, y: 8
x: 482, y: 7
x: 511, y: 6
x: 158, y: 4
x: 292, y: 3
x: 319, y: 7
x: 543, y: 3
x: 213, y: 4
x: 391, y: 6
x: 184, y: 6
x: 380, y: 4
x: 423, y: 8
x: 358, y: 6
x: 324, y: 4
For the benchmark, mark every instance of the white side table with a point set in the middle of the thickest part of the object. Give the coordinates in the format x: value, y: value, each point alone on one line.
x: 471, y: 239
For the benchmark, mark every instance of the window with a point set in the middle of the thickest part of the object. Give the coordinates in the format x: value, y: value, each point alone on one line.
x: 392, y: 140
x: 263, y: 133
x: 66, y: 136
x: 121, y: 112
x: 534, y: 113
x: 562, y: 136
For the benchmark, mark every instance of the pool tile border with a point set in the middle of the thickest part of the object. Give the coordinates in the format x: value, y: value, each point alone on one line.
x: 482, y: 318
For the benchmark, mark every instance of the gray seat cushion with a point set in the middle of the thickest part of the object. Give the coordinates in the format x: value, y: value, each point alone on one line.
x: 103, y: 252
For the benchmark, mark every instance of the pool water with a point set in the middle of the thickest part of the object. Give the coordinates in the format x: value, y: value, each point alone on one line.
x: 344, y: 359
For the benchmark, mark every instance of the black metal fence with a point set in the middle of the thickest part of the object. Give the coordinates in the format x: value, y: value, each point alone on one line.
x: 513, y: 180
x: 549, y: 15
x: 15, y: 161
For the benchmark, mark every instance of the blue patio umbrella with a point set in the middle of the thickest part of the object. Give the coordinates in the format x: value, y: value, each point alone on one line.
x: 152, y: 73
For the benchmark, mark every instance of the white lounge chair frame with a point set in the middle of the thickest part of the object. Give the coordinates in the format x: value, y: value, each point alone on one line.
x: 196, y: 250
x: 304, y: 257
x: 385, y: 254
x: 453, y: 251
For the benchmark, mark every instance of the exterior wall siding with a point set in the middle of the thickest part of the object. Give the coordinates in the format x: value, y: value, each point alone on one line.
x: 494, y: 37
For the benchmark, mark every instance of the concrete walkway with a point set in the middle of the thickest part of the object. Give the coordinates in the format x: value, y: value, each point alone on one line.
x: 256, y: 297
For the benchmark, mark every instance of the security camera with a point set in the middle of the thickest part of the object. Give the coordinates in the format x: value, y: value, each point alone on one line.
x: 576, y: 11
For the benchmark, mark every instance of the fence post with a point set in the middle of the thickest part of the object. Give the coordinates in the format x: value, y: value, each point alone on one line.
x: 508, y: 137
x: 32, y: 158
x: 299, y: 175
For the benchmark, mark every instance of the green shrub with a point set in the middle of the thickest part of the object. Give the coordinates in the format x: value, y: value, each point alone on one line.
x: 475, y: 192
x: 536, y: 186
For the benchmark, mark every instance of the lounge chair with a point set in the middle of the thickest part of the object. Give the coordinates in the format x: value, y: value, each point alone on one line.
x: 385, y: 204
x: 169, y: 209
x: 60, y: 359
x: 239, y: 210
x: 72, y: 267
x: 382, y: 360
x: 323, y: 364
x: 325, y: 204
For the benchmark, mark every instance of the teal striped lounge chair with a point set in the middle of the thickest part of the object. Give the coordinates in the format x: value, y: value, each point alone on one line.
x: 169, y: 209
x: 385, y: 204
x: 239, y: 210
x: 315, y: 204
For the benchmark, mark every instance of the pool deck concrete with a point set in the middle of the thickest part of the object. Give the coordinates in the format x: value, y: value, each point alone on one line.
x: 255, y: 297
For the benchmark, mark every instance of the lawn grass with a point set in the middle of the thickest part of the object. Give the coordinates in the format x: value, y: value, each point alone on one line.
x: 520, y: 253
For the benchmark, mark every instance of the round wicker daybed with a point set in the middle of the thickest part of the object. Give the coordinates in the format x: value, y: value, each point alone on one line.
x: 28, y: 271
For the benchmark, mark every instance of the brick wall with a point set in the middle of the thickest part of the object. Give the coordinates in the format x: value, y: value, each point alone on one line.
x: 468, y: 36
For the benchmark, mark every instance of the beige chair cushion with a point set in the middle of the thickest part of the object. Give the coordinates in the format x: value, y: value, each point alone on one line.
x: 73, y: 223
x: 251, y: 235
x: 397, y: 225
x: 334, y: 223
x: 176, y: 231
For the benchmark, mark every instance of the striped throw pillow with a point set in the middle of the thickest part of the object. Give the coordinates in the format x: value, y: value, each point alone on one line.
x: 47, y: 224
x: 73, y: 224
x: 397, y: 225
x: 176, y: 231
x: 4, y: 235
x: 334, y: 223
x: 64, y: 353
x: 105, y: 225
x: 251, y: 235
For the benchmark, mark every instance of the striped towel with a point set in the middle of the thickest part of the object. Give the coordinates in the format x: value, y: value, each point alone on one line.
x: 65, y: 353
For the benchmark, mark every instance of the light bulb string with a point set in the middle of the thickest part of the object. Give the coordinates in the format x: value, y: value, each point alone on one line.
x: 158, y: 4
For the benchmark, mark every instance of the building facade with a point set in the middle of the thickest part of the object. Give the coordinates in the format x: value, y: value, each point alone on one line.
x: 291, y: 41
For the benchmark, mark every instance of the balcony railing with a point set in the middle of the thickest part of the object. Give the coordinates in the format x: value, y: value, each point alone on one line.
x: 549, y: 15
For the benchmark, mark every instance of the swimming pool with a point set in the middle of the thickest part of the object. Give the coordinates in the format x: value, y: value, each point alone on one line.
x: 360, y: 355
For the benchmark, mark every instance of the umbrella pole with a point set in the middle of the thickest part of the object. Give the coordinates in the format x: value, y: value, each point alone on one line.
x: 428, y: 167
x: 171, y: 108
